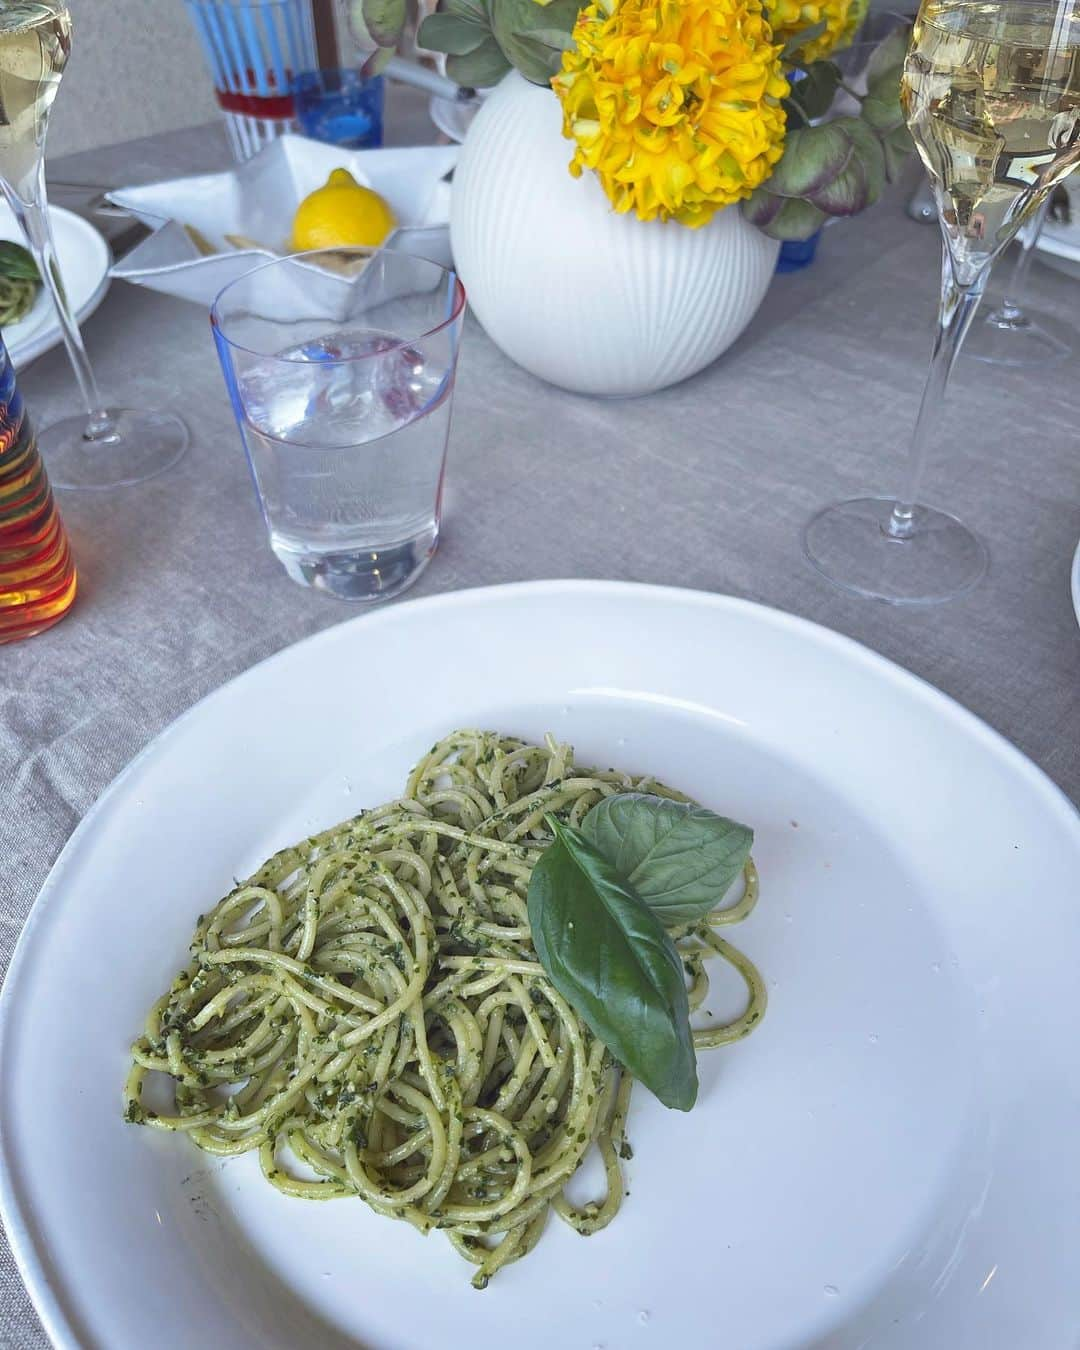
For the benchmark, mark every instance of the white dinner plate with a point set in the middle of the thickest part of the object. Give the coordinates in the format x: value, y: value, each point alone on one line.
x: 84, y: 264
x: 890, y: 1161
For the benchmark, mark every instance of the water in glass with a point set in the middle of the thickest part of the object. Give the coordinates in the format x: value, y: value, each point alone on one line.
x: 349, y: 460
x: 341, y: 371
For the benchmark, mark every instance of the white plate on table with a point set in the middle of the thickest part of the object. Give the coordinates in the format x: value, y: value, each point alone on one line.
x: 84, y: 264
x: 889, y: 1161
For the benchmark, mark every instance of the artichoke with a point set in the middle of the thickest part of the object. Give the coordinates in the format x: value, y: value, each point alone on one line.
x: 483, y: 39
x: 835, y: 168
x: 20, y: 282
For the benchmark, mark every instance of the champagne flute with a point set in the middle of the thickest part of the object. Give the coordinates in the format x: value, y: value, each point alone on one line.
x: 109, y: 446
x: 1012, y: 334
x: 991, y: 92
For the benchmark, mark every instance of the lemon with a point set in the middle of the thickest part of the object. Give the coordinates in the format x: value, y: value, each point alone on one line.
x: 341, y: 213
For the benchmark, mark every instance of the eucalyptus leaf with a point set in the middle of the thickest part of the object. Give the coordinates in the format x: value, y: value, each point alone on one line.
x: 610, y: 957
x: 887, y: 60
x: 558, y: 39
x: 896, y: 145
x: 761, y: 207
x: 475, y: 11
x: 845, y: 195
x: 450, y: 34
x: 384, y: 20
x: 869, y: 150
x: 480, y: 69
x: 812, y: 157
x: 681, y: 859
x: 800, y: 39
x: 516, y: 25
x: 377, y: 61
x: 796, y: 220
x: 354, y: 13
x: 883, y: 115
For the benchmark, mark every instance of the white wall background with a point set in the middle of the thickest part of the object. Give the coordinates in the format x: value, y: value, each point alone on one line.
x: 135, y: 68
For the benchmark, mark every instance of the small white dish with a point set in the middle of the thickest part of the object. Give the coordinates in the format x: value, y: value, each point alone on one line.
x: 84, y: 260
x: 889, y: 1161
x: 258, y: 199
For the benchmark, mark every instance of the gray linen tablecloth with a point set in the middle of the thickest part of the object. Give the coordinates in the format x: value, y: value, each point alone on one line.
x: 706, y: 485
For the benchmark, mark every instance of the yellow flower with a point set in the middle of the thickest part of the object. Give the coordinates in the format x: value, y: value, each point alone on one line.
x: 789, y: 17
x: 675, y: 104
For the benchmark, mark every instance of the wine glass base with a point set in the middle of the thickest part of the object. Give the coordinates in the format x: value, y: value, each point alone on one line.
x: 1030, y: 339
x: 849, y: 544
x: 140, y: 445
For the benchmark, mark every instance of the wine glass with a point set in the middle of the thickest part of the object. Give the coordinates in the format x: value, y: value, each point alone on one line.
x: 109, y: 446
x: 991, y: 92
x: 1013, y: 334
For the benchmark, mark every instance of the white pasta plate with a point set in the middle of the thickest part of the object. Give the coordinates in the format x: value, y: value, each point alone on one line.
x: 890, y: 1159
x: 84, y: 260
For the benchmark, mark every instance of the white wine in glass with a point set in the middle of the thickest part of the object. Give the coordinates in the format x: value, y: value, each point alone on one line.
x: 991, y: 93
x: 108, y: 446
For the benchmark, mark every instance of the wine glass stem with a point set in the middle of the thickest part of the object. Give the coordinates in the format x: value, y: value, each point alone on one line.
x: 1011, y: 307
x: 955, y: 313
x: 32, y: 213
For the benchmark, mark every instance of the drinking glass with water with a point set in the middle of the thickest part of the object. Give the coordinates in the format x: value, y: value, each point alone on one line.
x: 340, y: 365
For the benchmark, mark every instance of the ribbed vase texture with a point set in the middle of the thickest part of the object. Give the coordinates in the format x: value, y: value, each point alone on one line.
x: 595, y: 302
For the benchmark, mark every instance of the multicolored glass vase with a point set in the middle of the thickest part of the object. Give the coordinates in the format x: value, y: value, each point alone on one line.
x: 37, y: 574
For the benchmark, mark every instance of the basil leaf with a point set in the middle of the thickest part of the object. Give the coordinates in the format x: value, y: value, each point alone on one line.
x: 680, y: 858
x: 610, y: 958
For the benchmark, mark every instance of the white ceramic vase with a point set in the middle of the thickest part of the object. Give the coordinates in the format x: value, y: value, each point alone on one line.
x: 589, y: 300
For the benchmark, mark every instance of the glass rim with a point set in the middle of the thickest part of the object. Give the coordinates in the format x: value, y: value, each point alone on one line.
x: 456, y: 313
x: 315, y: 75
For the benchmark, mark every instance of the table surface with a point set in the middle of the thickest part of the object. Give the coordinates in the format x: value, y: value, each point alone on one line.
x: 705, y: 485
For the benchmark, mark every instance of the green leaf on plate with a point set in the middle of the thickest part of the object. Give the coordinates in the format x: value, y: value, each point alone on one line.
x: 610, y: 957
x: 681, y: 859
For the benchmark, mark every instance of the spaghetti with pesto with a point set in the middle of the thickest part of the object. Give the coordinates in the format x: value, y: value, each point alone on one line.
x: 368, y: 1012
